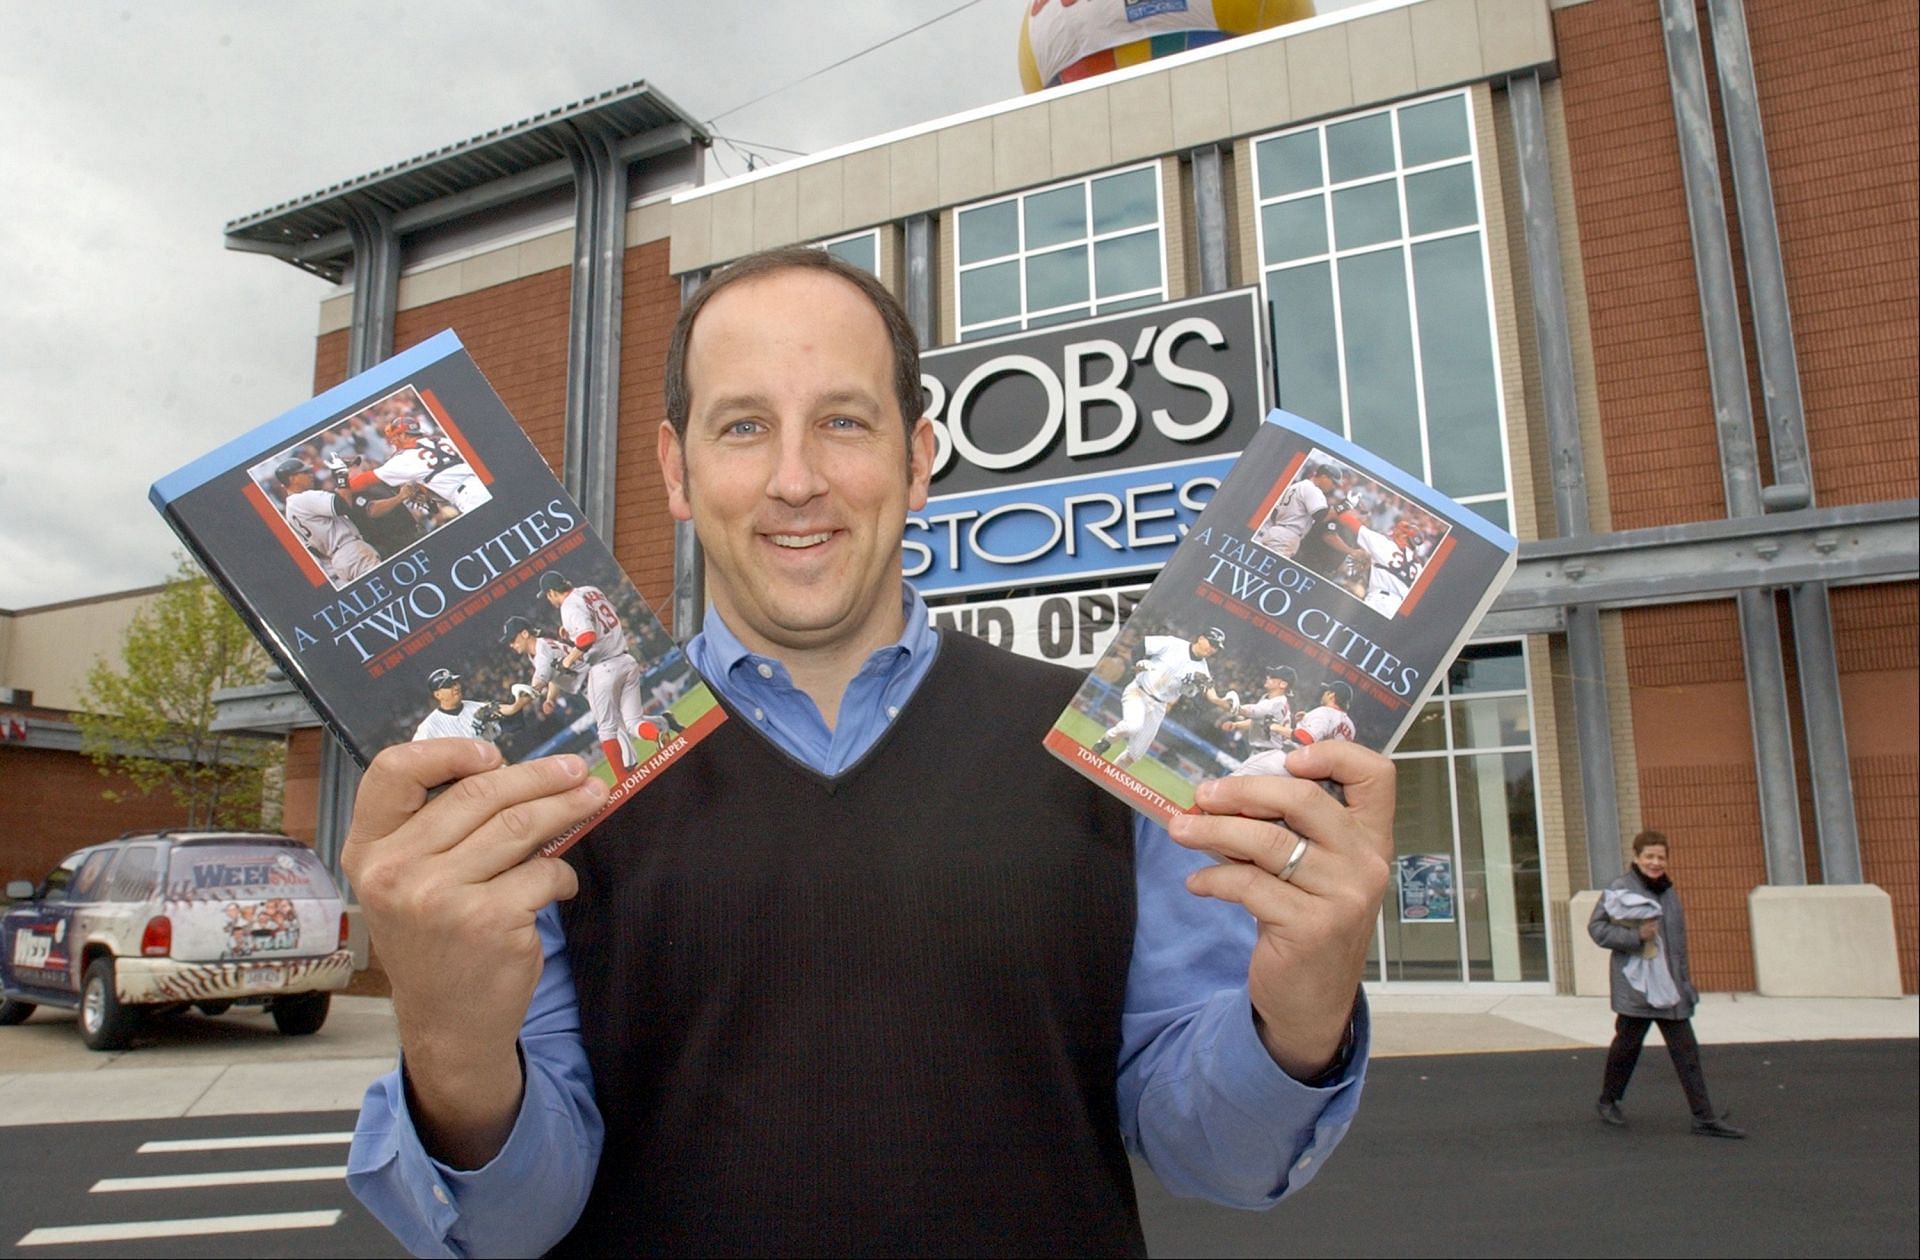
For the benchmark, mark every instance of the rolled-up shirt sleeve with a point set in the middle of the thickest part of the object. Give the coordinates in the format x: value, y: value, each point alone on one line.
x: 529, y: 1195
x: 1200, y: 1098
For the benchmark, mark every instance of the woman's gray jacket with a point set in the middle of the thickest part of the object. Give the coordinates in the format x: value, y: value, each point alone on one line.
x: 1623, y: 939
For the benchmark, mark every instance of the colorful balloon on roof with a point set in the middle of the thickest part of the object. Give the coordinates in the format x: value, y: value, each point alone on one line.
x: 1062, y: 41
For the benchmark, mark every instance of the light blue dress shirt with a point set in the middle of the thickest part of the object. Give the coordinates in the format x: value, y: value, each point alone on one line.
x: 1200, y: 1098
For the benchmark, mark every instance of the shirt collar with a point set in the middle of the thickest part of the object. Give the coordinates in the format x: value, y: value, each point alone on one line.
x: 720, y: 650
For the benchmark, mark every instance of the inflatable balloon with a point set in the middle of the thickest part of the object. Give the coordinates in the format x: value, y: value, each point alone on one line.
x: 1065, y: 40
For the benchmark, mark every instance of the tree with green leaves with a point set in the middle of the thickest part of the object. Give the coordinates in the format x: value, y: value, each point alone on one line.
x: 149, y: 714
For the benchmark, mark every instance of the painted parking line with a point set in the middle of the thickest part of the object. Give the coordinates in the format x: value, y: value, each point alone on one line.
x: 175, y: 1145
x: 127, y: 1231
x: 237, y: 1177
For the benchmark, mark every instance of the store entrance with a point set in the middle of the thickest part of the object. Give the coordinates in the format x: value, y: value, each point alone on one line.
x: 1466, y: 900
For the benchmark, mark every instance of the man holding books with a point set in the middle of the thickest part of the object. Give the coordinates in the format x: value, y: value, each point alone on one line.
x: 868, y: 970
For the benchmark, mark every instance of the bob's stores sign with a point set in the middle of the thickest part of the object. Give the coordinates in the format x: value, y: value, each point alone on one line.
x: 1086, y: 449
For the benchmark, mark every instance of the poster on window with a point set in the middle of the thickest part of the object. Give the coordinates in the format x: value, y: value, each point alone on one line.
x: 1426, y: 887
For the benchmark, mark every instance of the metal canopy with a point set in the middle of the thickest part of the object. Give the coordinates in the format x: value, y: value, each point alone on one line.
x: 520, y: 159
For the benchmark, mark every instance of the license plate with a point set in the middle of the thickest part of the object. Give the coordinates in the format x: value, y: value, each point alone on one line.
x: 265, y: 978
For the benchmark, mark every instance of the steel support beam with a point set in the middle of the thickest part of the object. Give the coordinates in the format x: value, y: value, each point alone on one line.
x: 1210, y: 218
x: 919, y: 297
x: 1733, y: 425
x: 593, y: 334
x: 1592, y: 711
x: 1671, y: 564
x: 689, y: 566
x: 1829, y: 771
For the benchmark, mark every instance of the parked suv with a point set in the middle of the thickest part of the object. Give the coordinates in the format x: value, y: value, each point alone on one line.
x: 156, y: 922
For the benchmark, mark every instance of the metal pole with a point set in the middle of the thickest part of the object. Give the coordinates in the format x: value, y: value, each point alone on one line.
x: 609, y: 291
x: 1828, y: 769
x: 1210, y: 218
x: 689, y: 566
x: 1592, y: 716
x: 1733, y: 424
x: 586, y: 213
x: 919, y: 275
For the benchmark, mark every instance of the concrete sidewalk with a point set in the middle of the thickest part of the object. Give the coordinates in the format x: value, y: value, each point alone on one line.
x: 239, y: 1064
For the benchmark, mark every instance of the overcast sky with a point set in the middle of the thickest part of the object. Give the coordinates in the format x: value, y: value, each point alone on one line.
x: 131, y: 340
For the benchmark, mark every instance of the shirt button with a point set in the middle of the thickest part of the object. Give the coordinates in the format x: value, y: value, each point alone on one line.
x: 893, y: 710
x: 1306, y: 1162
x: 440, y: 1195
x: 764, y: 670
x: 759, y: 715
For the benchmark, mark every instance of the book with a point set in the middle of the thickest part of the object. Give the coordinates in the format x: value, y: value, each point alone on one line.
x: 1321, y: 594
x: 416, y: 570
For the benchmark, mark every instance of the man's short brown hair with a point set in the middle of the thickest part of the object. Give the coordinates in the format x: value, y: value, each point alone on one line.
x: 1647, y: 839
x: 905, y: 344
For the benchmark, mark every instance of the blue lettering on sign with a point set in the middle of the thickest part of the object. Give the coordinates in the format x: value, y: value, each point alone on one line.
x: 1076, y: 527
x: 228, y: 874
x: 1138, y: 10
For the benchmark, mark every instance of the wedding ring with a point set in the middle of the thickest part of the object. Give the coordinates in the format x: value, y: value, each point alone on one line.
x: 1294, y: 860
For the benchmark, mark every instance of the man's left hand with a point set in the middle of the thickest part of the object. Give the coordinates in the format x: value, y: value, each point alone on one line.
x: 1317, y: 925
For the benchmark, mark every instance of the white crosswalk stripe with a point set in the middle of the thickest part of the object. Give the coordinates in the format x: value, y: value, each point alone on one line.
x: 238, y: 1177
x: 172, y: 1146
x: 195, y: 1227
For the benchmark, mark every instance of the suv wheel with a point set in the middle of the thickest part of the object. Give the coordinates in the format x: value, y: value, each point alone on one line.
x: 302, y: 1013
x: 12, y: 1012
x: 211, y: 1009
x: 105, y: 1024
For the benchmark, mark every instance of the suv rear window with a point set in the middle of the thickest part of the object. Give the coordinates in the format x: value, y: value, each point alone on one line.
x: 239, y: 870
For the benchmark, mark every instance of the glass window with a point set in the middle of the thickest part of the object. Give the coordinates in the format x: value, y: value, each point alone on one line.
x: 134, y: 875
x: 1379, y: 291
x: 1486, y: 667
x: 86, y: 880
x: 1289, y: 164
x: 862, y: 249
x: 1046, y: 256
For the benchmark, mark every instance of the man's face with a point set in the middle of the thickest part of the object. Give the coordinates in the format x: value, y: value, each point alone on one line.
x: 1276, y: 686
x: 556, y: 598
x: 447, y: 697
x: 299, y: 483
x: 1203, y: 647
x: 1324, y: 481
x: 1652, y: 861
x: 796, y: 470
x: 523, y: 643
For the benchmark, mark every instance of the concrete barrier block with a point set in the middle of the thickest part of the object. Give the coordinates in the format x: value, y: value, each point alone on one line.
x: 1824, y: 940
x: 1592, y: 964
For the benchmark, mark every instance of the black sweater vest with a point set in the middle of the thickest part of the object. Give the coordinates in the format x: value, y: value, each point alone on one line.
x: 870, y: 1015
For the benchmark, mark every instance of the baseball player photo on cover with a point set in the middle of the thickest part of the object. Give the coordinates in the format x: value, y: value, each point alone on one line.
x: 1319, y: 596
x: 416, y: 569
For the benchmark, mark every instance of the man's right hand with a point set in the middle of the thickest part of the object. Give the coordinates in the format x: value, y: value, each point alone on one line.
x: 450, y: 887
x: 1648, y: 928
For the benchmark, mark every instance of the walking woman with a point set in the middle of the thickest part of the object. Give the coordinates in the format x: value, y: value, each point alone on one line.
x: 1639, y: 919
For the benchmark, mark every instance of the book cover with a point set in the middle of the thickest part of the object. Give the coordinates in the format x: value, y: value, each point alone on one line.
x: 1320, y: 595
x: 415, y: 568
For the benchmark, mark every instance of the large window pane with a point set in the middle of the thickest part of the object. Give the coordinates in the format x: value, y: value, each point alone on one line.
x: 1056, y: 216
x: 1494, y: 510
x: 1456, y: 357
x: 1381, y: 399
x: 1500, y: 851
x: 1057, y: 278
x: 989, y: 293
x: 1429, y: 729
x: 988, y: 232
x: 1306, y: 356
x: 1434, y: 131
x: 1422, y: 824
x: 1125, y: 264
x: 1488, y: 667
x: 1058, y: 317
x: 1126, y: 200
x: 1366, y: 215
x: 1294, y: 229
x: 861, y: 251
x: 1289, y: 164
x: 1440, y: 199
x: 1499, y: 722
x: 1360, y: 147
